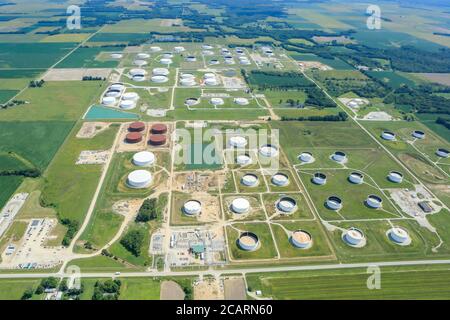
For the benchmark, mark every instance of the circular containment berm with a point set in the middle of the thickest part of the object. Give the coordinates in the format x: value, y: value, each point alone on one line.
x: 418, y: 134
x: 241, y: 101
x: 319, y: 178
x: 301, y: 239
x: 250, y: 180
x: 159, y: 128
x: 286, y: 205
x: 238, y: 142
x: 306, y: 157
x: 268, y: 151
x: 339, y: 156
x: 399, y: 236
x: 133, y: 137
x: 137, y: 126
x: 356, y: 177
x: 248, y: 241
x: 243, y: 159
x: 192, y: 208
x: 334, y: 203
x: 443, y: 153
x: 139, y: 179
x: 157, y: 140
x: 388, y: 135
x: 354, y: 237
x: 395, y: 176
x: 280, y: 179
x: 240, y: 205
x: 191, y: 101
x: 216, y: 101
x: 374, y: 201
x: 144, y: 158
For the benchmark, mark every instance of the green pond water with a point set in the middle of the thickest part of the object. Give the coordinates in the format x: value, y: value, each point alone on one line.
x: 104, y: 113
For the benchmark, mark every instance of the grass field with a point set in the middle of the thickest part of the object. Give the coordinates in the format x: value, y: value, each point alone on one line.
x: 88, y: 58
x: 65, y: 100
x: 6, y: 95
x: 13, y: 289
x: 396, y: 283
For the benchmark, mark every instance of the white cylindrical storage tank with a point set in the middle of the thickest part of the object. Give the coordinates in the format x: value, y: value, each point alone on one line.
x: 187, y: 76
x: 356, y: 177
x: 144, y: 158
x: 211, y: 82
x: 334, y: 203
x: 238, y: 142
x: 167, y: 55
x: 188, y: 82
x: 191, y: 101
x: 319, y: 178
x: 142, y: 56
x: 191, y: 59
x: 216, y: 101
x: 301, y: 239
x: 399, y: 235
x: 395, y: 176
x: 443, y: 153
x: 353, y: 104
x: 139, y: 78
x: 209, y: 75
x: 130, y: 96
x: 374, y: 201
x: 268, y: 151
x: 140, y: 63
x: 339, y: 156
x: 418, y: 134
x: 306, y: 157
x: 280, y: 179
x: 239, y: 51
x: 241, y: 101
x: 160, y: 72
x: 155, y: 49
x: 108, y: 101
x: 244, y: 62
x: 116, y: 56
x: 127, y: 104
x: 179, y: 49
x: 139, y: 179
x: 388, y: 135
x: 207, y: 47
x: 207, y: 53
x: 250, y: 180
x: 286, y: 205
x: 165, y: 61
x: 137, y: 72
x: 229, y: 61
x: 248, y: 241
x: 113, y: 93
x: 240, y: 205
x: 243, y: 159
x: 192, y: 207
x: 214, y: 61
x: 159, y: 79
x: 117, y: 86
x: 354, y: 236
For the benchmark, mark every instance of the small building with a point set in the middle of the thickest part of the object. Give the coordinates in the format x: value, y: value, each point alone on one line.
x: 425, y: 206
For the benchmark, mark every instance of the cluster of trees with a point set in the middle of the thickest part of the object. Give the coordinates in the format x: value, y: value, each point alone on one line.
x: 12, y: 104
x: 133, y: 241
x: 72, y: 228
x: 36, y: 83
x: 29, y: 173
x: 419, y: 100
x: 148, y: 211
x: 444, y: 122
x: 341, y: 116
x: 93, y: 78
x: 107, y: 290
x: 317, y: 98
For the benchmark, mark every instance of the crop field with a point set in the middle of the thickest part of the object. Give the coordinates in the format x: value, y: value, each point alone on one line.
x: 32, y: 55
x: 421, y: 283
x: 62, y: 100
x: 6, y: 95
x: 88, y: 58
x: 9, y: 186
x: 392, y: 79
x: 333, y: 63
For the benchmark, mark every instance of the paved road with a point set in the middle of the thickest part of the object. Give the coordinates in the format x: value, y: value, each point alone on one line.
x: 232, y: 271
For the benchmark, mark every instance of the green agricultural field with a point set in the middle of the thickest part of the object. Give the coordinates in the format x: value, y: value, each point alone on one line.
x: 392, y: 79
x: 430, y: 121
x: 98, y: 263
x: 88, y: 58
x: 421, y: 283
x: 336, y: 63
x: 6, y: 95
x: 20, y: 73
x: 65, y: 100
x: 33, y: 143
x: 66, y: 183
x: 140, y: 289
x: 32, y: 55
x: 13, y: 289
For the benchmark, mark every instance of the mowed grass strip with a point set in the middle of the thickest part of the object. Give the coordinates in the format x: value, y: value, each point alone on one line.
x: 337, y: 285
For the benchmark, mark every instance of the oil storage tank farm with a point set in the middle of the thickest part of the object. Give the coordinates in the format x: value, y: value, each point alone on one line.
x: 356, y: 178
x: 250, y: 180
x: 144, y: 159
x: 319, y: 178
x: 248, y: 241
x: 395, y: 176
x: 374, y: 201
x: 306, y: 157
x: 192, y: 208
x: 301, y: 239
x: 280, y: 179
x: 139, y: 179
x: 240, y: 206
x: 286, y: 205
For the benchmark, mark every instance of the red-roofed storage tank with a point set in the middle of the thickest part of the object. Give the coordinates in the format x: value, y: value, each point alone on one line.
x: 133, y: 137
x: 157, y: 140
x: 159, y: 128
